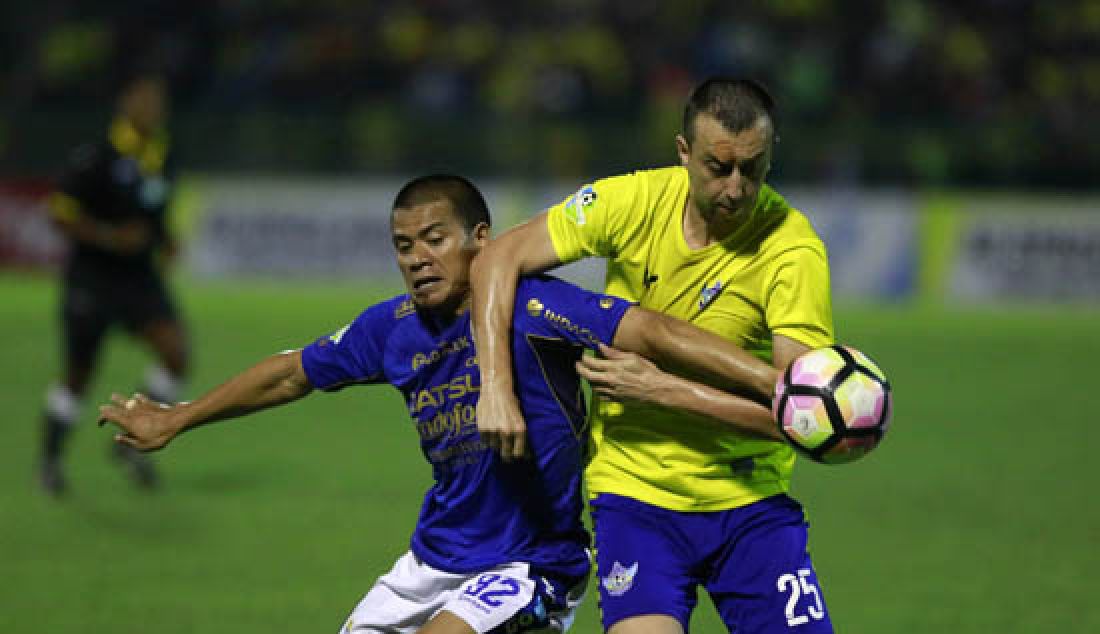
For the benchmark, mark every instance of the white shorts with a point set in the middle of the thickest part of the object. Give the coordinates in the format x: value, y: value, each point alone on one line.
x: 403, y: 600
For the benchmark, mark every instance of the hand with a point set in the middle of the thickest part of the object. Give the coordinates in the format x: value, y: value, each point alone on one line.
x: 131, y: 237
x: 146, y: 425
x: 169, y: 252
x: 500, y: 423
x: 621, y: 376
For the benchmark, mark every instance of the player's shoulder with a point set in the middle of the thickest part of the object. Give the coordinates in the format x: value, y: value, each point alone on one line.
x: 656, y: 179
x: 663, y: 176
x: 632, y: 199
x: 534, y: 293
x: 387, y: 313
x: 544, y: 284
x: 790, y: 227
x: 375, y: 325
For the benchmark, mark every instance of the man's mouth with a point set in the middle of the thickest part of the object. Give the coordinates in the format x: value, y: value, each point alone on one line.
x: 426, y: 283
x: 730, y: 208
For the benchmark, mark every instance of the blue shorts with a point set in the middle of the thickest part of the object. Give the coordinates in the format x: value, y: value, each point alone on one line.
x: 752, y: 561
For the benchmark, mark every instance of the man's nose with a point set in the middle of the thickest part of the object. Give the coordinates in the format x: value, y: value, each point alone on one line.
x: 419, y: 258
x: 735, y: 184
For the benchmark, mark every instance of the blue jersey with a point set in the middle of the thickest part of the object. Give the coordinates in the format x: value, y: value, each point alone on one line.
x: 481, y: 511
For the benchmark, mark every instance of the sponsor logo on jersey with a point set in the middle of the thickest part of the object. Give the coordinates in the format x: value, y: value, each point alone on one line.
x: 621, y: 579
x: 405, y: 309
x: 579, y: 203
x: 454, y: 456
x: 606, y: 303
x: 460, y: 420
x: 709, y: 294
x: 566, y: 324
x: 442, y: 350
x: 439, y: 395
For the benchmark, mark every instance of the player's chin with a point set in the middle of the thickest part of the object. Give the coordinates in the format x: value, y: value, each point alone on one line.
x: 429, y: 298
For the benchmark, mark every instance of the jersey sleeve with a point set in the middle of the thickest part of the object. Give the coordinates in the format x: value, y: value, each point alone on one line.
x: 593, y: 221
x: 797, y: 297
x: 549, y: 307
x: 355, y: 354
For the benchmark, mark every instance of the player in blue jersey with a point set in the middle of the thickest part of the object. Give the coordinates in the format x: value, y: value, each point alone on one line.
x: 499, y: 546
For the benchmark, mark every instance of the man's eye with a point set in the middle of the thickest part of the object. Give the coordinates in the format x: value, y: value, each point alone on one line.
x: 435, y: 240
x: 718, y: 168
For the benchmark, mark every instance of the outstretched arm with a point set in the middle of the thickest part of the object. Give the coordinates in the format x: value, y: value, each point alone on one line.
x: 148, y: 426
x: 674, y: 343
x: 522, y: 250
x: 622, y: 376
x: 678, y: 344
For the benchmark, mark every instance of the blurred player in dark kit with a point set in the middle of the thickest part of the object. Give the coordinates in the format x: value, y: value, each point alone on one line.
x: 111, y: 205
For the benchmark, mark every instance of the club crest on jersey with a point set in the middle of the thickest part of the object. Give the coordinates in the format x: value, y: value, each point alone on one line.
x: 709, y: 293
x: 534, y: 307
x: 579, y: 203
x: 621, y: 579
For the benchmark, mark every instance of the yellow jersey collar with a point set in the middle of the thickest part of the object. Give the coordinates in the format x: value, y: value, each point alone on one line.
x: 148, y: 152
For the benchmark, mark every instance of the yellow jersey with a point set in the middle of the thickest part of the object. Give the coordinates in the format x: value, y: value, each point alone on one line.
x: 769, y: 277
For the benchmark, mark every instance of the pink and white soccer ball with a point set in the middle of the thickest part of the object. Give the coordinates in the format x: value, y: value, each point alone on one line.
x: 833, y: 404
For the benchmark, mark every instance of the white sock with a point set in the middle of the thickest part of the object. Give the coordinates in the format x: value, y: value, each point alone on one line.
x: 162, y: 384
x: 62, y: 405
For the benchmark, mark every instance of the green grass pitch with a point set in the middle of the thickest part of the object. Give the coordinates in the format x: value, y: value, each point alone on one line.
x: 975, y: 515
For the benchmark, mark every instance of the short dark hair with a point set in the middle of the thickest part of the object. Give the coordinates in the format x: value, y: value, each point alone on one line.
x: 464, y: 196
x: 132, y: 81
x: 735, y: 103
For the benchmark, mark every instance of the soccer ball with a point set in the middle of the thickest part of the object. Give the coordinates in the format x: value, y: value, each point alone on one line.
x: 833, y: 404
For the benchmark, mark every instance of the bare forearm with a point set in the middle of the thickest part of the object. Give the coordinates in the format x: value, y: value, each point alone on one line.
x: 274, y: 381
x: 493, y: 278
x: 523, y: 250
x: 675, y: 343
x: 745, y: 416
x: 493, y: 282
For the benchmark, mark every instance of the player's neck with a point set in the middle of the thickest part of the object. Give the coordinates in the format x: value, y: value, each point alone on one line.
x: 446, y: 314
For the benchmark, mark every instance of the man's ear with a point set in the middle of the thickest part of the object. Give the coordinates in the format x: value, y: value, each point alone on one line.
x: 482, y: 234
x: 683, y: 148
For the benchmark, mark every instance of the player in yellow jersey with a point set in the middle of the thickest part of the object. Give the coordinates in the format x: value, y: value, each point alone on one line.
x: 677, y: 502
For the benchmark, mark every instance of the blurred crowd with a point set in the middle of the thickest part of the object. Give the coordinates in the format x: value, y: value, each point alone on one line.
x: 948, y: 92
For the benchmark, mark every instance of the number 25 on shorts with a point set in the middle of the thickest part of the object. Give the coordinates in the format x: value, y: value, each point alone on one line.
x: 798, y: 586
